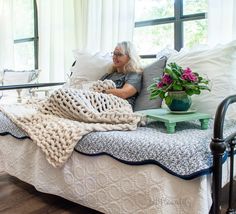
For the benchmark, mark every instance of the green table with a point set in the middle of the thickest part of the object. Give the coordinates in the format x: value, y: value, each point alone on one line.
x: 170, y: 119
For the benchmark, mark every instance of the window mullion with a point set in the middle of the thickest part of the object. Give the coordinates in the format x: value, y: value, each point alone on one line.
x: 154, y: 22
x: 178, y: 25
x: 36, y: 37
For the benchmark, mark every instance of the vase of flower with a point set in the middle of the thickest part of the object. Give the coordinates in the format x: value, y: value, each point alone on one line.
x: 176, y: 86
x: 179, y: 101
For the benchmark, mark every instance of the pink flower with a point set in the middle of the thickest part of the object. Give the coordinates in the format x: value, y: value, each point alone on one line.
x: 189, y: 75
x: 166, y: 79
x: 187, y: 70
x: 160, y: 85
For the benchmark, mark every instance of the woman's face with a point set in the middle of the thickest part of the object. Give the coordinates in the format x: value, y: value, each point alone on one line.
x: 119, y: 59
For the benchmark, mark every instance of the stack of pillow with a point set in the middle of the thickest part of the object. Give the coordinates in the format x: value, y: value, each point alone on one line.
x: 218, y: 64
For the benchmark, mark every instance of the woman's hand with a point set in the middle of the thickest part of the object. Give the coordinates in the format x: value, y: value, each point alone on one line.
x: 125, y: 92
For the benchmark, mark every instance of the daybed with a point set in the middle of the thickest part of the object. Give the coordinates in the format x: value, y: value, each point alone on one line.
x: 144, y: 170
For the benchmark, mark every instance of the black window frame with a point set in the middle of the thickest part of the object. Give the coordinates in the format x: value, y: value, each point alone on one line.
x: 178, y: 19
x: 35, y: 38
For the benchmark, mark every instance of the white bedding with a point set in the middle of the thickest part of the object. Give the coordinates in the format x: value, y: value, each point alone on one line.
x: 105, y: 184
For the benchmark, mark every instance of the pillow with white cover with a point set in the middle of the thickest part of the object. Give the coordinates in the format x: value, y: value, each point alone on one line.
x: 218, y: 64
x: 14, y: 77
x: 1, y: 76
x: 89, y: 67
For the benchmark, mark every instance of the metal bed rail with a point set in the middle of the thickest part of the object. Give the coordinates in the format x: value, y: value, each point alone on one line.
x: 219, y: 145
x: 30, y: 85
x: 19, y: 87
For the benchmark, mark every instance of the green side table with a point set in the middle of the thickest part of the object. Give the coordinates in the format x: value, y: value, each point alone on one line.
x: 170, y: 119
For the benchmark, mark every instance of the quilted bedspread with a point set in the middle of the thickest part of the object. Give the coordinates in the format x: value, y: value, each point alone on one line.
x: 185, y: 154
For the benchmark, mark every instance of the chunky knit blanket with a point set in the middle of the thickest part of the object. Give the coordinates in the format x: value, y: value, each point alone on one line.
x: 57, y: 124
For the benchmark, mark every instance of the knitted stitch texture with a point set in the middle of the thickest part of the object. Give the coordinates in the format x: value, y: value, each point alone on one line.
x: 57, y: 124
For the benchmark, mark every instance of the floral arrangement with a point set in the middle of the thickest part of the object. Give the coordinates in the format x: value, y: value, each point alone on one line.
x: 175, y: 78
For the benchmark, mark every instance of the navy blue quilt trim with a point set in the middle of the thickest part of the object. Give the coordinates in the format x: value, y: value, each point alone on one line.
x: 8, y: 133
x: 144, y: 162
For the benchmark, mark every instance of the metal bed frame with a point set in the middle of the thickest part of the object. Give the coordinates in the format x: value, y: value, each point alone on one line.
x: 219, y: 146
x: 30, y: 85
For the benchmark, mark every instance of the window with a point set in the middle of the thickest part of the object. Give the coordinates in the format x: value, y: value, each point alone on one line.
x: 169, y: 23
x: 25, y: 34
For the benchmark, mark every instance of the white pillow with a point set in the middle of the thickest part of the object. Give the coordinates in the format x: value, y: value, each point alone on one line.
x: 14, y: 77
x: 219, y: 65
x: 1, y: 77
x: 90, y: 67
x: 167, y: 52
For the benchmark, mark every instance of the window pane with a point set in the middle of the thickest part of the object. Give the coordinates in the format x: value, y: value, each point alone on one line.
x: 153, y: 9
x: 24, y: 55
x: 23, y: 11
x: 195, y: 32
x: 152, y: 39
x: 194, y: 6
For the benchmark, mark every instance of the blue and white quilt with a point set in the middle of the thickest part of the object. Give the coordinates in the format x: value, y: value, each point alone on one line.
x: 185, y: 154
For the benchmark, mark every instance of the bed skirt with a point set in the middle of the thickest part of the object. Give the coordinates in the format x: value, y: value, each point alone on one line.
x: 105, y: 184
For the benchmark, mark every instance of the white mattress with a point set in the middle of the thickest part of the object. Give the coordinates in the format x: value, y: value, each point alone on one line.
x: 105, y: 184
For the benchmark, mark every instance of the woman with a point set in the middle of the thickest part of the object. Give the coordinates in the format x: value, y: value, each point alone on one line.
x: 126, y: 72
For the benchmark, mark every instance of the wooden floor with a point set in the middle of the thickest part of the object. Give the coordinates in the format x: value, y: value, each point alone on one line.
x: 17, y: 197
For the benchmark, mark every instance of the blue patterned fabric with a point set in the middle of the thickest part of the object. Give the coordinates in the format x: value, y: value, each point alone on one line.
x: 185, y: 154
x: 8, y: 127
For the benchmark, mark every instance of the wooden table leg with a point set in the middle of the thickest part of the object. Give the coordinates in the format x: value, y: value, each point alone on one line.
x: 204, y: 123
x: 170, y: 127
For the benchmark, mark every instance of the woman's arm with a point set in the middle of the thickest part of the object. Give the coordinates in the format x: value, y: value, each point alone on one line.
x: 125, y: 92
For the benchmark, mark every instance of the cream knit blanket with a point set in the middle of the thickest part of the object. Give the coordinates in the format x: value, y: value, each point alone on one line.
x: 57, y: 124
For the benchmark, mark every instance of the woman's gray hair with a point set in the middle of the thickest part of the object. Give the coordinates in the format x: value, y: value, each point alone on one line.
x: 134, y: 63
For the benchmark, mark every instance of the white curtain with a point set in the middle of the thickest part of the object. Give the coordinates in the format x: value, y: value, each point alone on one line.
x: 6, y: 35
x: 56, y: 38
x: 92, y: 25
x: 221, y: 21
x: 104, y: 23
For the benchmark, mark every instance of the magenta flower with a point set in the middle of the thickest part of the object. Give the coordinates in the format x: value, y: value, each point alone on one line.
x: 189, y: 75
x: 160, y: 85
x: 187, y: 70
x: 166, y: 79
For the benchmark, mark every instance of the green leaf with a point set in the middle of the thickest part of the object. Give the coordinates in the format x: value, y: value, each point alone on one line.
x: 168, y: 88
x: 162, y: 94
x: 168, y: 100
x: 172, y: 74
x: 177, y: 87
x: 189, y: 92
x: 204, y: 87
x: 152, y: 97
